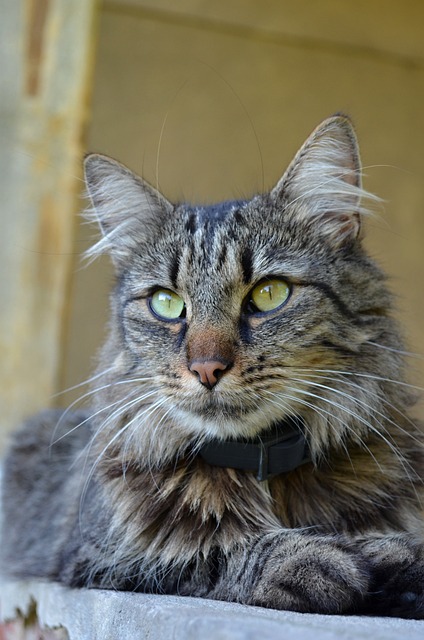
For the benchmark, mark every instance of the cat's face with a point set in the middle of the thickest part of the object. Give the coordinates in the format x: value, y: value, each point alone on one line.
x: 233, y: 311
x: 188, y: 313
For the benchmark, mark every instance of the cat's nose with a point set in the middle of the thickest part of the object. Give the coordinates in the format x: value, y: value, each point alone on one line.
x: 209, y: 371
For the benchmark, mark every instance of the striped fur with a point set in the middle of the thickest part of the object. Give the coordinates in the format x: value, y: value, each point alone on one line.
x: 118, y: 496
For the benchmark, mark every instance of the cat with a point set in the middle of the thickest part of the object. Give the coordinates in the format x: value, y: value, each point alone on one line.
x: 249, y: 437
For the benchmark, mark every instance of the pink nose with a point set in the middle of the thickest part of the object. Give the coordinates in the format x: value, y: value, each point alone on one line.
x: 209, y: 371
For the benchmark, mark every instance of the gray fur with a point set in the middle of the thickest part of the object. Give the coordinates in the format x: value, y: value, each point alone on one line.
x: 119, y: 498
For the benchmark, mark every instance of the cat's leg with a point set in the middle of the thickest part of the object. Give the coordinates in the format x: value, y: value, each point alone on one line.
x: 397, y: 569
x: 298, y: 571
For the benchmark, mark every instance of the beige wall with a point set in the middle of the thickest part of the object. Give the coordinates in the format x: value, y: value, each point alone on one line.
x: 212, y: 99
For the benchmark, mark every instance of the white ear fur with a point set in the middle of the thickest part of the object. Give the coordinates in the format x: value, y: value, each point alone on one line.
x: 323, y: 182
x: 124, y: 206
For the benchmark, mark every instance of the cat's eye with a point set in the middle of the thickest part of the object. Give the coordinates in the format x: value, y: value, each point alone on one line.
x: 167, y: 305
x: 269, y: 295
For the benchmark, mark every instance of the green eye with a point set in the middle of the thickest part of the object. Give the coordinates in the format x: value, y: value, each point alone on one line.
x: 269, y: 294
x: 167, y: 304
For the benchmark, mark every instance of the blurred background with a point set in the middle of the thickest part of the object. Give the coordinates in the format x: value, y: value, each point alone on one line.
x: 208, y: 100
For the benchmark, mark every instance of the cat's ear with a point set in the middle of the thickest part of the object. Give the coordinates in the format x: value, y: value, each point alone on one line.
x: 127, y: 209
x: 322, y: 185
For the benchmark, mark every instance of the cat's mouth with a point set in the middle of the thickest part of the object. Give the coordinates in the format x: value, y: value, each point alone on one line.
x: 222, y: 410
x: 231, y: 417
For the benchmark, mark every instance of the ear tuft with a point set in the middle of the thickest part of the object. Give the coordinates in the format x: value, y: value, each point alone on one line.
x: 323, y: 183
x: 126, y: 208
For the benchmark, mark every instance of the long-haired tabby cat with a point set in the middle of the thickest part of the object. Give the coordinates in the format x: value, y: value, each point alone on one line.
x: 249, y: 436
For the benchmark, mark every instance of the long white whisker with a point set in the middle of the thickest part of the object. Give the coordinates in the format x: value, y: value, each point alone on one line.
x: 90, y: 393
x: 114, y: 415
x: 348, y: 428
x: 281, y: 404
x: 348, y: 397
x: 366, y: 405
x: 322, y: 413
x: 94, y: 466
x: 409, y: 354
x: 118, y: 435
x: 368, y: 376
x: 83, y: 422
x: 83, y: 383
x: 403, y: 461
x: 149, y: 410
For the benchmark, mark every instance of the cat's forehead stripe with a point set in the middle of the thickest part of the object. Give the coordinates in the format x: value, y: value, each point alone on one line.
x: 209, y: 229
x: 247, y: 264
x: 214, y: 213
x: 174, y: 268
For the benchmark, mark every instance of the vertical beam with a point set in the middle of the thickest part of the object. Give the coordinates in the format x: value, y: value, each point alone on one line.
x: 46, y: 49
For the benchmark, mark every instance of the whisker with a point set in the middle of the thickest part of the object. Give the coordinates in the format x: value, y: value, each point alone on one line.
x: 402, y: 460
x: 357, y: 436
x: 372, y: 409
x: 80, y: 424
x: 352, y: 398
x: 304, y: 403
x: 162, y: 131
x: 83, y: 383
x: 322, y: 413
x: 114, y: 415
x: 409, y: 354
x: 99, y: 457
x: 90, y: 475
x: 369, y: 376
x: 90, y: 393
x: 151, y: 409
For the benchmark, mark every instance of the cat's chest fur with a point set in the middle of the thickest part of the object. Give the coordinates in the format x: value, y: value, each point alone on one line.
x: 189, y: 511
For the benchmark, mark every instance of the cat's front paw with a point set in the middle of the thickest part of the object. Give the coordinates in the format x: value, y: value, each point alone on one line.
x: 311, y: 574
x: 397, y: 585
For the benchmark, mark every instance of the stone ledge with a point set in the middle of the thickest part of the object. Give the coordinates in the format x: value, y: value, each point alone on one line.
x: 99, y: 615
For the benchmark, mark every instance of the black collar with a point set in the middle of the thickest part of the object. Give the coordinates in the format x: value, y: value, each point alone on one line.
x: 280, y: 449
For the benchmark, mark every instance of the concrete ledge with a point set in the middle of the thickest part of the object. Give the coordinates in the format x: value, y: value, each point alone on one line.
x: 97, y: 615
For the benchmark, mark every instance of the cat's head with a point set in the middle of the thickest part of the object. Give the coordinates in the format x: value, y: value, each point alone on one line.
x: 237, y: 315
